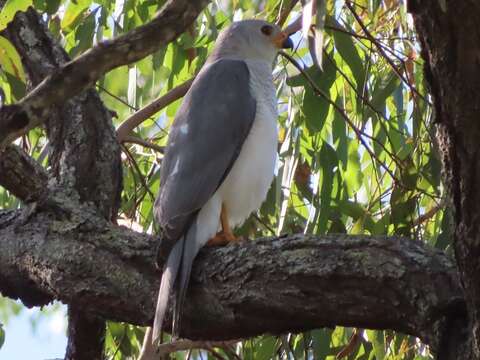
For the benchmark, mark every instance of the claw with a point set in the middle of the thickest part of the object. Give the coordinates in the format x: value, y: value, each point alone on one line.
x: 225, y: 236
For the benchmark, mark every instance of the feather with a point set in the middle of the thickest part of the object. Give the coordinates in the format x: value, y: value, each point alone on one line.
x: 190, y: 250
x: 175, y: 279
x: 169, y: 276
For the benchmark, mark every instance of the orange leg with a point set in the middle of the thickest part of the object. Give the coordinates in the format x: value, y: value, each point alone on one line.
x: 225, y: 236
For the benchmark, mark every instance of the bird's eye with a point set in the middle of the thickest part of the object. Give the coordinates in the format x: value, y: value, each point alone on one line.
x: 267, y: 30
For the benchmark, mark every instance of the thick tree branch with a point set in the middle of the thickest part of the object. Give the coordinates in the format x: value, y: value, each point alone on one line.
x: 22, y: 175
x: 81, y: 73
x: 293, y: 283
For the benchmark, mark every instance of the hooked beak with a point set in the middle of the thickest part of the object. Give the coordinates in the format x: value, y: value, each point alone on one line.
x: 282, y: 41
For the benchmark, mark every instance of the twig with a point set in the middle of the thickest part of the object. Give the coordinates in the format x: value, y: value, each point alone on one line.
x: 137, y: 140
x: 285, y: 13
x: 429, y: 214
x: 117, y: 346
x: 185, y: 344
x: 141, y: 115
x: 382, y: 51
x: 140, y: 175
x: 370, y: 105
x: 357, y: 131
x: 268, y: 227
x: 353, y: 342
x: 119, y: 99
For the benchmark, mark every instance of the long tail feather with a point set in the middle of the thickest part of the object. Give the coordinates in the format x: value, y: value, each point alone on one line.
x: 175, y: 279
x: 190, y: 250
x: 169, y: 276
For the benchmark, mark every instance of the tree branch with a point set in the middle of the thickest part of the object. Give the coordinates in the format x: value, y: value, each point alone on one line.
x: 150, y: 353
x: 125, y: 129
x: 22, y: 175
x: 81, y: 73
x: 271, y: 285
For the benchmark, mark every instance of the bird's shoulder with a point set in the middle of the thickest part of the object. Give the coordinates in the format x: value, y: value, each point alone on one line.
x: 223, y: 73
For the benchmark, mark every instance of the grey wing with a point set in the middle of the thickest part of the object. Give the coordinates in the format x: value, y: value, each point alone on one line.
x: 207, y: 135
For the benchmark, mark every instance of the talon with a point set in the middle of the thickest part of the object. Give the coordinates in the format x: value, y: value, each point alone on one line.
x: 221, y: 239
x: 218, y: 240
x: 225, y: 236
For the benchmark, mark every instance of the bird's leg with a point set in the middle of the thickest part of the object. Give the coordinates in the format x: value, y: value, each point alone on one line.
x: 225, y: 225
x: 226, y: 235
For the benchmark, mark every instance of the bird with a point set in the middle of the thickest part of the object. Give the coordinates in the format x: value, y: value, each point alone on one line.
x: 220, y: 157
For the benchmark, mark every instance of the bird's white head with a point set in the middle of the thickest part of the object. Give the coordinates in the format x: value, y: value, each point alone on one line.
x: 250, y: 39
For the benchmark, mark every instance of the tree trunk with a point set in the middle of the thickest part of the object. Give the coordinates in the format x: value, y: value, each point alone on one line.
x: 450, y: 36
x: 84, y: 156
x: 82, y: 329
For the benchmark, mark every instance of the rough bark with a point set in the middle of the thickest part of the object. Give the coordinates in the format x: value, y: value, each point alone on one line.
x: 450, y: 38
x: 75, y: 76
x: 271, y: 285
x: 82, y: 328
x: 85, y: 156
x: 21, y: 175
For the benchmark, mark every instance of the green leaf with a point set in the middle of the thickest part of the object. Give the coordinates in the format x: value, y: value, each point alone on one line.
x: 9, y: 10
x: 266, y: 348
x: 48, y: 6
x: 2, y: 335
x: 398, y: 99
x: 345, y: 46
x: 340, y: 136
x: 409, y: 174
x: 378, y: 342
x: 381, y: 92
x: 52, y: 6
x: 74, y: 13
x: 10, y: 60
x: 84, y: 35
x: 444, y: 240
x: 328, y: 161
x: 433, y: 169
x: 315, y: 107
x: 336, y: 225
x: 403, y: 205
x: 353, y: 176
x: 17, y: 87
x: 12, y: 67
x: 321, y: 343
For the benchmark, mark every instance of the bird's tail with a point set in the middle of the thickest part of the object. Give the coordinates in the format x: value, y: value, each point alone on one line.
x: 169, y: 275
x: 175, y: 278
x: 190, y: 250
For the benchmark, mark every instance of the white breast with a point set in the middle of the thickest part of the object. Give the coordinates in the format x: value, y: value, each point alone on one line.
x: 247, y: 184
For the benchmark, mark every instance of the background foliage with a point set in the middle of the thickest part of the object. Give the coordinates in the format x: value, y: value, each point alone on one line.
x: 355, y: 150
